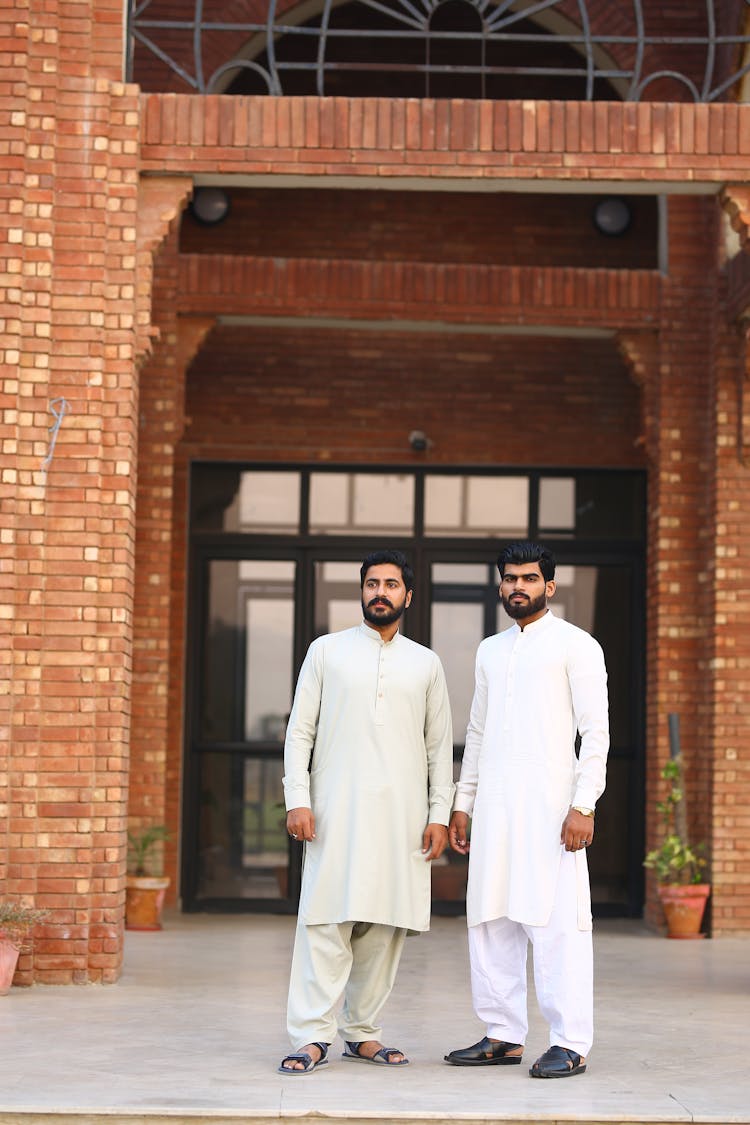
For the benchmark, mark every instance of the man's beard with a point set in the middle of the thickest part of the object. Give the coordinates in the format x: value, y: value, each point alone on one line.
x: 387, y: 616
x: 520, y: 610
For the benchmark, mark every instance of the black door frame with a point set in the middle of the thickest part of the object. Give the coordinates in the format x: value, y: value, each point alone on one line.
x: 305, y: 550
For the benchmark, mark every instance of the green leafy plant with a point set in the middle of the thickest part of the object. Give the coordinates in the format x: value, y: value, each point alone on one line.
x: 18, y: 921
x: 675, y: 860
x: 144, y: 853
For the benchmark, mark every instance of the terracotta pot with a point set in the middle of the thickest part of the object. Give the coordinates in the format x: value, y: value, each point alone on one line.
x: 684, y: 905
x: 8, y: 962
x: 144, y: 899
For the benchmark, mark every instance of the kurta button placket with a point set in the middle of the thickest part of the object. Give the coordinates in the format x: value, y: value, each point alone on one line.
x: 380, y: 687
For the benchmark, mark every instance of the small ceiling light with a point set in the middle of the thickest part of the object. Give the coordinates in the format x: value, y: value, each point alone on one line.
x: 612, y: 216
x: 210, y: 205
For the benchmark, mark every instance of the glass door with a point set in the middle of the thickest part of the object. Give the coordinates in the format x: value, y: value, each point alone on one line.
x: 240, y: 704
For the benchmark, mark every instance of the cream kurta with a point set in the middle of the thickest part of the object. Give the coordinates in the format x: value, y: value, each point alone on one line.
x: 378, y: 716
x: 534, y: 688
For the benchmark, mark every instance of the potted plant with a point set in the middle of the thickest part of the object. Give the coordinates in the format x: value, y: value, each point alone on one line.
x: 677, y: 863
x: 17, y: 923
x: 145, y: 885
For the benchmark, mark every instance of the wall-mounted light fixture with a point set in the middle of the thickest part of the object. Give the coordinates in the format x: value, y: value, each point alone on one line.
x: 210, y: 205
x: 419, y: 441
x: 612, y: 216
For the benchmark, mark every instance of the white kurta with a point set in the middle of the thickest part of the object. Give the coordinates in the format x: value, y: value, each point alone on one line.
x: 377, y: 719
x: 534, y: 688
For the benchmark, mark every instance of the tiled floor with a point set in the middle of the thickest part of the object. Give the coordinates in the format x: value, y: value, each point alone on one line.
x: 194, y: 1031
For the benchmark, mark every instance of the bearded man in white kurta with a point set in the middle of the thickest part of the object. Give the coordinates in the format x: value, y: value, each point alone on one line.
x: 368, y: 786
x: 532, y: 801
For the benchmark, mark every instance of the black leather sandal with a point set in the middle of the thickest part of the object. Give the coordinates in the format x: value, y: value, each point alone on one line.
x: 558, y: 1062
x: 485, y: 1053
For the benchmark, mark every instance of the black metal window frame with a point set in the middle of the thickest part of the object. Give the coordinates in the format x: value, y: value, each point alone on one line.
x: 411, y: 19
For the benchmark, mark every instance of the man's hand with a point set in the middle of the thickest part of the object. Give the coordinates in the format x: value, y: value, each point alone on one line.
x: 457, y: 836
x: 300, y: 824
x: 577, y: 831
x: 434, y: 841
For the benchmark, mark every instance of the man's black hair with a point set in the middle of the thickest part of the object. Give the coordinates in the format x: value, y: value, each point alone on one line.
x: 525, y: 551
x: 396, y: 558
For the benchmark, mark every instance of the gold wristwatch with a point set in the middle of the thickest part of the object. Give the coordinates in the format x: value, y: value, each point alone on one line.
x: 582, y: 811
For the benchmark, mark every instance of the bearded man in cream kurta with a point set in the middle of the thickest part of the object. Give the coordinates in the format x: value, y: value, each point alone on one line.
x: 532, y: 800
x: 368, y: 786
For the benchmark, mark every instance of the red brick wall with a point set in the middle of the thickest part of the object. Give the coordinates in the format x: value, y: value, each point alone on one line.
x: 312, y: 393
x: 679, y: 614
x: 68, y: 187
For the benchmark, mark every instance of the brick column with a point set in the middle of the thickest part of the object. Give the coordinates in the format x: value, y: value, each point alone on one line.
x: 731, y: 548
x: 678, y: 420
x: 68, y: 190
x: 155, y: 771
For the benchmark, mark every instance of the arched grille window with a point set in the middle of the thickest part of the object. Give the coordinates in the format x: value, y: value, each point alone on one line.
x: 547, y: 49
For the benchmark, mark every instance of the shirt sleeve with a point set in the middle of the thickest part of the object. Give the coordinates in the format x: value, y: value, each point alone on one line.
x: 587, y: 676
x: 302, y: 729
x: 466, y: 790
x: 438, y: 739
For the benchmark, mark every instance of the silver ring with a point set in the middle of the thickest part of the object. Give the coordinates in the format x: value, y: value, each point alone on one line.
x: 294, y: 835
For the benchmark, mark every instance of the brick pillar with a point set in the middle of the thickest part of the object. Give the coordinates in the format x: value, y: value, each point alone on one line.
x: 676, y: 373
x: 68, y: 200
x: 731, y: 837
x: 155, y: 772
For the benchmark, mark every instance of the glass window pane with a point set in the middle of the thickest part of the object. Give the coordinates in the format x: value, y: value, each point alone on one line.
x: 269, y: 625
x: 455, y: 633
x: 444, y: 499
x: 329, y: 502
x: 268, y: 502
x: 474, y: 505
x: 226, y: 498
x: 557, y: 504
x: 242, y: 841
x: 338, y: 599
x: 361, y: 503
x: 607, y: 505
x: 247, y: 664
x: 461, y: 574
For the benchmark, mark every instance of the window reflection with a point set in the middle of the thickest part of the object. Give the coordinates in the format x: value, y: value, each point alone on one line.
x: 226, y: 498
x: 474, y: 505
x: 249, y: 650
x: 338, y: 603
x: 361, y: 503
x: 456, y: 630
x: 242, y: 845
x: 557, y: 504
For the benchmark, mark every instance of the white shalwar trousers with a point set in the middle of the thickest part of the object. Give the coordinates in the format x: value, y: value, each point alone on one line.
x: 563, y: 972
x: 356, y: 959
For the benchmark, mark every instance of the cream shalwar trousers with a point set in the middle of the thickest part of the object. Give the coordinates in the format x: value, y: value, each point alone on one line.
x: 358, y: 959
x: 563, y: 972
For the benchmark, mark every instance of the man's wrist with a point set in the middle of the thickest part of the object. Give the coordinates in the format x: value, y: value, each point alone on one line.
x: 583, y: 810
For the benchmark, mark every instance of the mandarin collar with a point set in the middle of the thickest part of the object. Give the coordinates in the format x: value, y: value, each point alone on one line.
x: 537, y: 626
x: 373, y: 634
